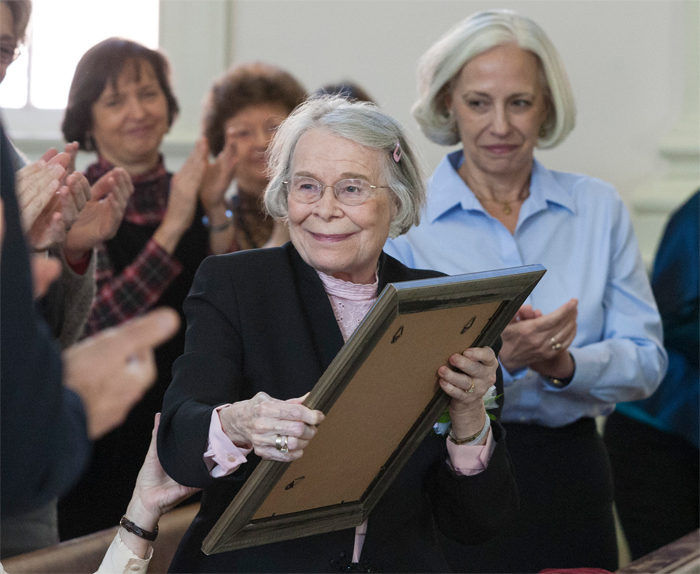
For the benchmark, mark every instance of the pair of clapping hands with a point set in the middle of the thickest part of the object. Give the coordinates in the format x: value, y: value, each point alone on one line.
x: 205, y: 179
x: 541, y: 342
x: 199, y: 179
x: 58, y: 206
x: 208, y: 180
x: 112, y: 370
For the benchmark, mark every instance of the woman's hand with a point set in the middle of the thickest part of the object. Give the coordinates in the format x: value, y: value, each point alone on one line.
x: 258, y: 422
x: 220, y: 173
x: 53, y: 223
x: 36, y: 186
x: 541, y: 341
x: 182, y: 201
x: 102, y: 215
x: 155, y: 494
x: 472, y: 374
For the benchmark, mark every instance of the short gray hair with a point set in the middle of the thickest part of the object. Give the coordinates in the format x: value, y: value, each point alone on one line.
x: 363, y: 123
x: 443, y: 61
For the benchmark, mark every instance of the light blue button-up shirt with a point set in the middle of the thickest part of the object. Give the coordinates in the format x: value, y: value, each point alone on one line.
x: 580, y: 230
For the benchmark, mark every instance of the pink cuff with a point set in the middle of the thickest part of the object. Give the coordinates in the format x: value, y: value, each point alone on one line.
x: 360, y: 533
x: 222, y: 456
x: 470, y: 460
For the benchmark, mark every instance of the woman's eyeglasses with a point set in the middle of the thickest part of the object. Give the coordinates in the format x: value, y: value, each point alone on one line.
x: 348, y: 191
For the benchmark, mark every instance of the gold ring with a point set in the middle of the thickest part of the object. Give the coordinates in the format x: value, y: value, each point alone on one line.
x: 555, y: 346
x: 281, y: 444
x: 471, y: 389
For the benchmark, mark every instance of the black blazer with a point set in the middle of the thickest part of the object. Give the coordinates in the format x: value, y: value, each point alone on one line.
x: 261, y: 321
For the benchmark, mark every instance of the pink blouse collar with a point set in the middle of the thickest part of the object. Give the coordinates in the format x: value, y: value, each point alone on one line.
x: 348, y: 290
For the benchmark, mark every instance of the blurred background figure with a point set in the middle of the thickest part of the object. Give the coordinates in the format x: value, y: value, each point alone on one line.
x: 347, y: 89
x: 243, y: 109
x: 52, y: 406
x: 121, y: 104
x: 653, y: 443
x: 590, y: 334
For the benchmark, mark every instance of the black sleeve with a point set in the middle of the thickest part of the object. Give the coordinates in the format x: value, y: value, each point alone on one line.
x: 473, y: 509
x: 44, y: 445
x: 204, y: 377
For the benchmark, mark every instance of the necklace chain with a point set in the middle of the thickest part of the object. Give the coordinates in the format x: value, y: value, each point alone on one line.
x: 507, y: 209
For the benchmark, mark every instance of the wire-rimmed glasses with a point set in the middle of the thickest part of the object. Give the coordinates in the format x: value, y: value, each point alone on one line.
x: 348, y: 191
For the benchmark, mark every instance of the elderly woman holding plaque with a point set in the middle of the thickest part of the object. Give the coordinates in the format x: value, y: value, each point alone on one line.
x: 263, y: 326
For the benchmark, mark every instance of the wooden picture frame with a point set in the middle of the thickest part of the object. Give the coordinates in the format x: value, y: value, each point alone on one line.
x: 408, y: 334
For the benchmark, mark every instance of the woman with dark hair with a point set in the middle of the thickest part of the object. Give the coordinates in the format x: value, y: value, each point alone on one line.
x: 243, y: 110
x: 121, y: 105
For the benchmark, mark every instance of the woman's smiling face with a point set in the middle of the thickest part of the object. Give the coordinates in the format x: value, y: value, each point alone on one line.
x: 130, y: 119
x: 344, y: 241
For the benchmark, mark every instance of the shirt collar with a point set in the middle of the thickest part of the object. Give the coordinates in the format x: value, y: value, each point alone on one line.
x: 448, y: 190
x: 546, y: 190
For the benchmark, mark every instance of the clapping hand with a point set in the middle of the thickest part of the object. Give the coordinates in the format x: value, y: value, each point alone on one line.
x: 182, y: 200
x: 540, y: 341
x: 50, y: 197
x: 220, y: 173
x: 101, y: 216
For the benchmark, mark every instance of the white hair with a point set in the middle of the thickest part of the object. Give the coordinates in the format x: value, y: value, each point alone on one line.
x: 444, y: 60
x: 363, y: 123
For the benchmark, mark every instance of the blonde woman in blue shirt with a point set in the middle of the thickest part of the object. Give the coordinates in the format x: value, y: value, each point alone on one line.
x: 590, y: 334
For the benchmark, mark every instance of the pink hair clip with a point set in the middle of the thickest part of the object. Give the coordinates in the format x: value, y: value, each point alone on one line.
x: 397, y: 152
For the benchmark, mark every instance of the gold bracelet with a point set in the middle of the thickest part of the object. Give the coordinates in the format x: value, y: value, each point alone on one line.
x: 474, y: 438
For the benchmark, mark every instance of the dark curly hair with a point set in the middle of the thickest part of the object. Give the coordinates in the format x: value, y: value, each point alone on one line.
x: 245, y: 85
x: 103, y: 63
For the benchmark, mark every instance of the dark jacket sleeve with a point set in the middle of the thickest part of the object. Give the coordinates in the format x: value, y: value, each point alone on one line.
x: 205, y: 376
x: 473, y: 509
x: 44, y: 445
